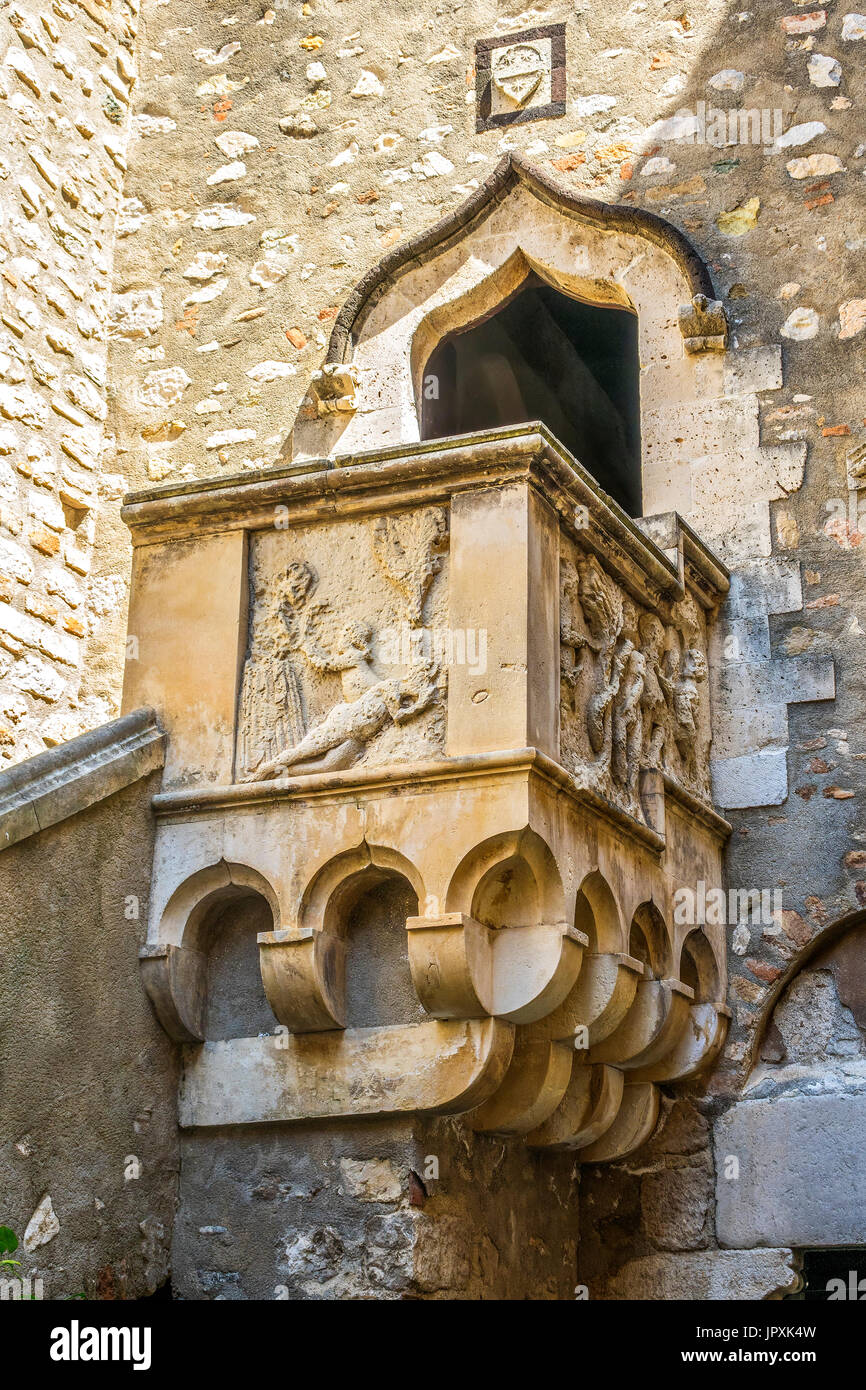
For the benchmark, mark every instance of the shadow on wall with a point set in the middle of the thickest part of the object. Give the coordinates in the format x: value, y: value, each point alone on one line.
x: 542, y: 355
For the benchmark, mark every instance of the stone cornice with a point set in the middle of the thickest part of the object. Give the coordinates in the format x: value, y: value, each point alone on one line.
x: 408, y: 778
x: 430, y: 472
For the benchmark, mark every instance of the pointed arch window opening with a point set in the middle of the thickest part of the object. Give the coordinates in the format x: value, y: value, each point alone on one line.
x: 545, y: 355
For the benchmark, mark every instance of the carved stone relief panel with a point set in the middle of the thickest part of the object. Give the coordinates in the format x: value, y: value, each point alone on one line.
x: 343, y: 664
x: 633, y: 685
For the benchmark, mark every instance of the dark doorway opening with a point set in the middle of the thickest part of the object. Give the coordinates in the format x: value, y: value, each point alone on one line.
x: 545, y: 356
x: 832, y: 1276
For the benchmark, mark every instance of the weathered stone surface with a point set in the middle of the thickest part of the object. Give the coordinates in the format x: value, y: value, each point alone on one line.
x: 371, y: 1180
x: 45, y: 790
x: 801, y: 1177
x: 42, y: 1227
x: 713, y: 1274
x: 676, y: 1206
x: 213, y: 144
x: 88, y: 1137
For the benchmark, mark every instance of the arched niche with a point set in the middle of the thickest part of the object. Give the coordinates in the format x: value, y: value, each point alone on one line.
x: 509, y: 880
x: 545, y: 355
x: 597, y: 914
x: 227, y: 935
x: 521, y: 232
x: 699, y: 968
x: 817, y: 1008
x: 649, y: 941
x: 201, y: 970
x: 379, y: 988
x: 181, y: 918
x: 361, y: 899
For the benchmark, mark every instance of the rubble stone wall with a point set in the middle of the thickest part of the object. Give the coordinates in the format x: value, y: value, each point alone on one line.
x: 67, y: 71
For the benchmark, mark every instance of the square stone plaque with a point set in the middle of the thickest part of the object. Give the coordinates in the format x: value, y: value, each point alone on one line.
x: 520, y: 77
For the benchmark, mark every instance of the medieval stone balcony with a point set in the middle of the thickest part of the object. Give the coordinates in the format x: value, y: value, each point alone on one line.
x: 458, y: 666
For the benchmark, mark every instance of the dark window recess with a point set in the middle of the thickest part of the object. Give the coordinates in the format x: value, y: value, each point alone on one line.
x: 833, y: 1275
x: 544, y: 356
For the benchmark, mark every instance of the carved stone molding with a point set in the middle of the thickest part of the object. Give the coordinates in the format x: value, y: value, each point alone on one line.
x: 334, y: 389
x: 431, y: 1068
x: 704, y: 325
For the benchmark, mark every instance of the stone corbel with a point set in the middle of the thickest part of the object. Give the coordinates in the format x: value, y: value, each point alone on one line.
x: 599, y: 1000
x: 304, y: 973
x: 651, y: 1027
x: 334, y: 389
x: 463, y: 969
x: 704, y: 325
x: 588, y: 1108
x: 635, y: 1121
x: 175, y: 979
x: 696, y: 1049
x: 534, y: 1085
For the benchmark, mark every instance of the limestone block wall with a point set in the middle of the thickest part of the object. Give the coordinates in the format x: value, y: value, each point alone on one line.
x: 315, y: 139
x: 67, y: 69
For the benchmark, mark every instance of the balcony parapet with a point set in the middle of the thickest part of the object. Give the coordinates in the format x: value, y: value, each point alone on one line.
x: 462, y: 664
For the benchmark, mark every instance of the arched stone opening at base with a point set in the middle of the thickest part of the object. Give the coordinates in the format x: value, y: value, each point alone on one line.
x: 649, y: 942
x: 509, y: 880
x: 235, y: 1004
x: 202, y: 970
x: 372, y: 911
x: 699, y: 968
x: 597, y: 915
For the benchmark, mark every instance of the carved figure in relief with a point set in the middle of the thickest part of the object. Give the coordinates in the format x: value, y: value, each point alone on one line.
x: 336, y: 647
x: 657, y: 688
x: 601, y: 605
x: 272, y: 736
x: 572, y: 631
x: 629, y: 676
x: 633, y: 679
x: 410, y: 548
x: 686, y: 703
x: 271, y: 714
x: 340, y: 738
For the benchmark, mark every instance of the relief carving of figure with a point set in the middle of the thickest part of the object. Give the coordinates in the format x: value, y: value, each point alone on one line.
x: 595, y: 601
x: 657, y: 689
x: 629, y: 676
x: 271, y: 713
x: 410, y: 548
x: 272, y: 734
x: 368, y: 703
x: 630, y: 683
x: 686, y: 703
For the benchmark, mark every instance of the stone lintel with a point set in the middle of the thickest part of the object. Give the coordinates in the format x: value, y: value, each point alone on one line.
x: 801, y: 1176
